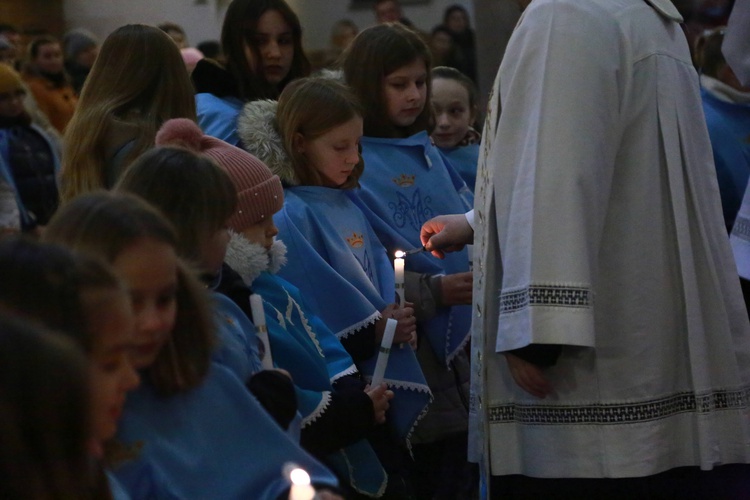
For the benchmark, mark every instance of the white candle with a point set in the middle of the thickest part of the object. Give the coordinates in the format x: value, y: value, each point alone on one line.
x: 259, y: 318
x: 301, y: 488
x: 385, y: 351
x: 398, y: 266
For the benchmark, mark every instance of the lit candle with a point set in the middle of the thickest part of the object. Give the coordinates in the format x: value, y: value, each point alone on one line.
x: 301, y: 488
x: 398, y: 266
x: 385, y: 351
x: 259, y: 318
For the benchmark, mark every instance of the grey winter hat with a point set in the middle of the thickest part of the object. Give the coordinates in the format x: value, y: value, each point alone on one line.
x: 76, y: 41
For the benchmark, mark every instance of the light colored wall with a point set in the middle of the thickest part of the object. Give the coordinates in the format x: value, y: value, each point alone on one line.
x: 319, y: 15
x: 203, y: 22
x: 495, y: 23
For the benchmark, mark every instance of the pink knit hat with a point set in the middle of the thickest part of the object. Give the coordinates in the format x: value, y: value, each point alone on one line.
x: 259, y: 192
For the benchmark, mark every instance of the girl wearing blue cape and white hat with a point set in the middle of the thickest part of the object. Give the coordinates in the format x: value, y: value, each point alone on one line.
x: 335, y: 259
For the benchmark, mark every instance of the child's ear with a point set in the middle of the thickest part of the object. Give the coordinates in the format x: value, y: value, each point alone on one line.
x: 298, y: 142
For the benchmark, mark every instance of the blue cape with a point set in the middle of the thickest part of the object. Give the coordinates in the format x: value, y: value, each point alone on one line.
x: 406, y: 182
x: 214, y: 441
x: 237, y: 347
x: 342, y: 270
x: 464, y: 160
x: 309, y: 351
x: 729, y: 130
x: 217, y: 116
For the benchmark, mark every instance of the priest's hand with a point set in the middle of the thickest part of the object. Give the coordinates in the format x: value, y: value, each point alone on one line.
x: 446, y: 233
x: 528, y: 376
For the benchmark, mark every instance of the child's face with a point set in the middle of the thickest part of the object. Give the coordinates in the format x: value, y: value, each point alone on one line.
x: 11, y: 103
x: 405, y: 93
x: 274, y: 40
x: 453, y: 115
x: 262, y: 233
x: 49, y: 58
x: 149, y: 269
x: 112, y: 372
x: 335, y: 153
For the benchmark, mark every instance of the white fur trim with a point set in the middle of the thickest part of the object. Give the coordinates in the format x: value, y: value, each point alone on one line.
x: 276, y: 256
x: 256, y: 127
x: 248, y: 259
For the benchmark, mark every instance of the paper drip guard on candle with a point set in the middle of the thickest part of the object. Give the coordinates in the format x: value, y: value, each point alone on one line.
x: 259, y: 319
x: 385, y: 351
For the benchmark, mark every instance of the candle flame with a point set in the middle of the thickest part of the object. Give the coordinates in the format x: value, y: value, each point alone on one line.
x: 399, y: 254
x: 299, y: 477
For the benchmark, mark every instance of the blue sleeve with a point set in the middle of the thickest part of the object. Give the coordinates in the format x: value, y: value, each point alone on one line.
x: 238, y: 345
x: 218, y: 117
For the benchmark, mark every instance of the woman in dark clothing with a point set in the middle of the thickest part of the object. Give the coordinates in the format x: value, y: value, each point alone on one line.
x: 456, y: 19
x: 28, y: 161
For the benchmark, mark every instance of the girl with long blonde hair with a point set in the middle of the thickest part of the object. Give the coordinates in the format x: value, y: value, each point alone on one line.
x: 138, y: 82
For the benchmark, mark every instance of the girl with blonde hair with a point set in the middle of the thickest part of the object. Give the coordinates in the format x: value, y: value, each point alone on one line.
x: 138, y: 82
x: 335, y: 257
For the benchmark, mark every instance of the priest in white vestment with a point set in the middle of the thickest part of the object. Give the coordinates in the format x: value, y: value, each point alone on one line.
x: 610, y: 338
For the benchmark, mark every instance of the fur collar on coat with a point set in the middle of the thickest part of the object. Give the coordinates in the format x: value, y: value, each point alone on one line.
x: 250, y: 259
x: 257, y: 129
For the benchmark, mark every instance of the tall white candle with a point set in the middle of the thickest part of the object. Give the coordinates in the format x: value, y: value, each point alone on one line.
x: 259, y: 318
x: 385, y: 351
x: 398, y: 266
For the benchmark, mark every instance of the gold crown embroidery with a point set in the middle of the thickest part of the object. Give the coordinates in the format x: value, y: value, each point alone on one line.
x: 356, y: 240
x: 404, y: 180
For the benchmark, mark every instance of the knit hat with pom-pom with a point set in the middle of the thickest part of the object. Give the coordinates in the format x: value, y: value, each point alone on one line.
x: 259, y: 192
